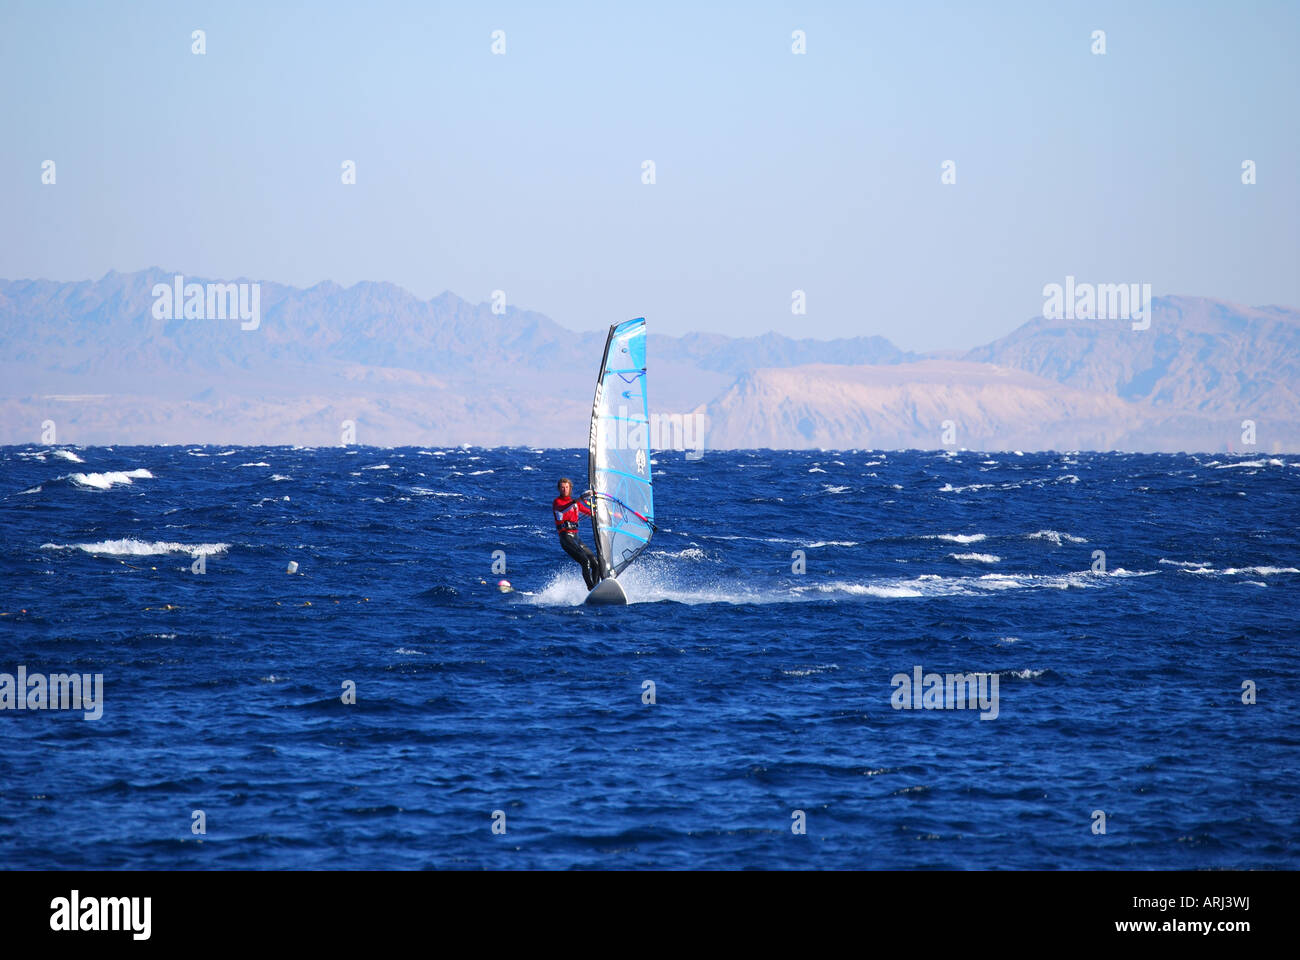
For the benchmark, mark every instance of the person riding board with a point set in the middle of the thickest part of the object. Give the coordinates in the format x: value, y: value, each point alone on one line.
x: 566, y: 511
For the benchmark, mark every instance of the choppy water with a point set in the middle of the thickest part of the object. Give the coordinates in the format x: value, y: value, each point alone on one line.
x: 1118, y: 692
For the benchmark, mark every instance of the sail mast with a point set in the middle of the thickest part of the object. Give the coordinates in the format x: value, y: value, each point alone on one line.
x: 592, y: 456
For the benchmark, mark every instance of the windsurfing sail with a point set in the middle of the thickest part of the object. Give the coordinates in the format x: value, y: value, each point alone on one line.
x: 618, y: 455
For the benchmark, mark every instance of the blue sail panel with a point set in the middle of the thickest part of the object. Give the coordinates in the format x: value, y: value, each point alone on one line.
x: 618, y: 456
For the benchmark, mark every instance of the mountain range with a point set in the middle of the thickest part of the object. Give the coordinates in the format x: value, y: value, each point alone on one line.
x: 93, y: 358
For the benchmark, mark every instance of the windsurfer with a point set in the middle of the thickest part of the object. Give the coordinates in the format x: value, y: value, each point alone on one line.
x: 566, y: 511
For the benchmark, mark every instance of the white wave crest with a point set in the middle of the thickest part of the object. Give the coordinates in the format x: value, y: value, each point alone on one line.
x: 656, y: 578
x: 889, y: 591
x: 1055, y: 536
x: 688, y: 553
x: 1272, y: 462
x: 1259, y: 571
x: 426, y: 492
x: 102, y: 481
x: 1203, y: 568
x: 131, y: 547
x: 809, y: 671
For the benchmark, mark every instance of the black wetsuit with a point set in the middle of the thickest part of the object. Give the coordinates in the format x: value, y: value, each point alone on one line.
x: 566, y: 524
x: 582, y: 553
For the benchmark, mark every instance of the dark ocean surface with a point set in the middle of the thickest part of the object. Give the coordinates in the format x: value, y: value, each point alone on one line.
x: 1118, y: 692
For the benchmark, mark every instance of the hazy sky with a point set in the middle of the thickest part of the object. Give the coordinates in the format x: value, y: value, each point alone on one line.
x: 774, y: 171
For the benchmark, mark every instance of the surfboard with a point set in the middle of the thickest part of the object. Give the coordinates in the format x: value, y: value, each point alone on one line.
x: 618, y: 459
x: 607, y: 593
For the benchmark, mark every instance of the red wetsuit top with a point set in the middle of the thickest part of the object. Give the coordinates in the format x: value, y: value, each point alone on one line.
x: 566, y: 514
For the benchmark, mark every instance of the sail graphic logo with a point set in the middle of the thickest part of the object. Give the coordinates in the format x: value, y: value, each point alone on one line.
x: 1101, y: 301
x: 213, y: 301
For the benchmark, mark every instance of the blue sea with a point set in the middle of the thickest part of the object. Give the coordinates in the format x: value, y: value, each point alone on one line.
x: 1133, y: 620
